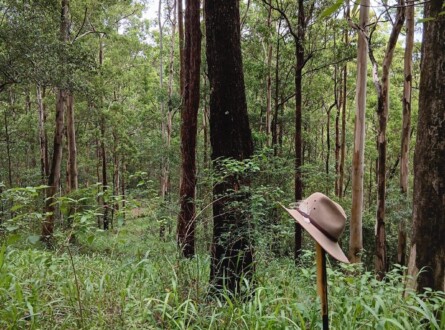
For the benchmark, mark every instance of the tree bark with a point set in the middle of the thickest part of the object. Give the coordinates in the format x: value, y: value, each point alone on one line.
x: 356, y: 239
x: 54, y: 174
x: 338, y: 104
x: 300, y: 62
x: 181, y: 47
x: 276, y: 122
x: 230, y: 137
x: 382, y: 89
x: 269, y: 82
x: 406, y: 125
x: 8, y: 139
x: 102, y: 153
x: 44, y: 163
x: 72, y: 147
x: 428, y: 248
x: 189, y: 125
x: 106, y: 223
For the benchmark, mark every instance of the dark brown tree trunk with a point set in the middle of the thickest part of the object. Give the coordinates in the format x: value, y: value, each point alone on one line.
x: 428, y: 247
x: 382, y: 88
x: 44, y: 163
x: 300, y: 61
x: 338, y: 104
x: 189, y: 122
x: 269, y: 82
x: 72, y: 147
x: 230, y: 136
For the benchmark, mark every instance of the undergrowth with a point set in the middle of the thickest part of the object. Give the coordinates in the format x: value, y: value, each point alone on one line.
x: 130, y: 279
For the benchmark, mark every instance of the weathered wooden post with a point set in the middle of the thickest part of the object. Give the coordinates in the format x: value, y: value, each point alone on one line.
x: 325, y: 221
x: 322, y: 285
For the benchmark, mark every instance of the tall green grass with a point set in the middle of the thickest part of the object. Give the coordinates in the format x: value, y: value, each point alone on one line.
x: 130, y: 279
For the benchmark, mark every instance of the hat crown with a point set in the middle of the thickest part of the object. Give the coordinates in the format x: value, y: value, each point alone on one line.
x: 327, y: 214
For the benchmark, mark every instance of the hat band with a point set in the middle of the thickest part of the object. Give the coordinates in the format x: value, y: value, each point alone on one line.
x: 316, y: 225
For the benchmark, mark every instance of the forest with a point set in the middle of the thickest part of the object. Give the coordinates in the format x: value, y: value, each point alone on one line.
x: 222, y: 164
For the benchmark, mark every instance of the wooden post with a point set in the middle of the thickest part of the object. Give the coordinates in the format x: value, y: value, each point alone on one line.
x: 322, y: 284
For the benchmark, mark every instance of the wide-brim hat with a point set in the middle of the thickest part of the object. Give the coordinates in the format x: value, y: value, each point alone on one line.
x: 324, y: 220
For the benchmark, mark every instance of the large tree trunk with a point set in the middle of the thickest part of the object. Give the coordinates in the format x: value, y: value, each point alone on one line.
x: 356, y: 238
x: 189, y: 124
x: 428, y: 248
x: 406, y: 125
x: 382, y: 89
x: 230, y: 136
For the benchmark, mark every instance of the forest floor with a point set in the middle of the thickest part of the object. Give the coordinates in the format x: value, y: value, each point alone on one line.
x: 128, y: 278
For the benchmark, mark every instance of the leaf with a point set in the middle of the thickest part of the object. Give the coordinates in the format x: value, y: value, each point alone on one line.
x: 90, y: 239
x: 330, y: 10
x: 33, y: 239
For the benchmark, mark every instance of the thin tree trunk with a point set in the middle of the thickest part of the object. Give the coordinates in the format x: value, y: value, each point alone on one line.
x: 116, y: 176
x: 356, y: 239
x: 8, y: 139
x: 382, y: 88
x: 169, y: 119
x: 230, y: 136
x: 276, y: 121
x: 343, y: 128
x: 123, y: 190
x: 300, y: 62
x: 338, y: 104
x: 406, y: 125
x: 269, y: 82
x: 42, y: 134
x: 106, y: 223
x: 428, y: 248
x: 181, y: 47
x: 105, y: 207
x: 72, y: 147
x: 189, y: 125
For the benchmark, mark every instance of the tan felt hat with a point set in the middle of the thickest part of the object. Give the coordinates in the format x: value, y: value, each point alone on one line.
x: 324, y: 220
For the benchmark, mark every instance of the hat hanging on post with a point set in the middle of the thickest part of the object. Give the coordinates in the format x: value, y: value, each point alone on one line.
x: 324, y: 220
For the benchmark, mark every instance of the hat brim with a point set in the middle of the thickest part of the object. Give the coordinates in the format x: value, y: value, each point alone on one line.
x: 327, y: 244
